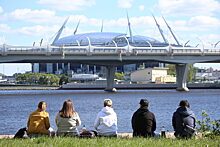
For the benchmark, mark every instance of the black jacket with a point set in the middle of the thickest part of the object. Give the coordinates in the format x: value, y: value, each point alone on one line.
x: 143, y: 122
x: 183, y: 116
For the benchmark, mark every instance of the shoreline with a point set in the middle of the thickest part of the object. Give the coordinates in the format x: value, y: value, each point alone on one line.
x: 120, y: 135
x: 70, y: 86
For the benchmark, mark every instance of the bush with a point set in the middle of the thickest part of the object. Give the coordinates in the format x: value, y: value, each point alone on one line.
x: 207, y: 127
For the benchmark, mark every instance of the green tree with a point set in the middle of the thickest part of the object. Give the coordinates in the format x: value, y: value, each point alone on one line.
x: 191, y: 71
x: 38, y: 78
x: 119, y: 76
x: 172, y: 69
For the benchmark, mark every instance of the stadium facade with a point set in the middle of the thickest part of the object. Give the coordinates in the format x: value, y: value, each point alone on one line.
x: 104, y: 39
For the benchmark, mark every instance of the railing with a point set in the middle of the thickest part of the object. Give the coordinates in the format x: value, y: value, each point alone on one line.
x: 104, y: 50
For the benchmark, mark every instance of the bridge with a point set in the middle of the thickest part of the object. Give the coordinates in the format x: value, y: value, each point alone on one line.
x: 111, y: 56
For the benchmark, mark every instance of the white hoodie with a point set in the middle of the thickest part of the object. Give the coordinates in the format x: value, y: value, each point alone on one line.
x: 106, y: 121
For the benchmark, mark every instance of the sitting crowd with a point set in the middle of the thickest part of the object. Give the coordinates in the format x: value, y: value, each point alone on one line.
x: 143, y: 121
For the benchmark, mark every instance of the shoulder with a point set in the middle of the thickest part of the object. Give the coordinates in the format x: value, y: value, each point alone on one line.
x: 151, y: 113
x: 75, y: 114
x: 46, y: 114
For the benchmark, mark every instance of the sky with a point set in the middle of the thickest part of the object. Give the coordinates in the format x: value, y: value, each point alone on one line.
x: 23, y: 22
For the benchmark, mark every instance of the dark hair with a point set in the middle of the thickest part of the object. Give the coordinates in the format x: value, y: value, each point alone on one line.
x: 184, y: 103
x: 41, y: 104
x: 68, y: 110
x: 144, y: 102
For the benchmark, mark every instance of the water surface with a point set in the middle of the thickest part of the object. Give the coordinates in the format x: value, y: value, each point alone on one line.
x: 16, y: 105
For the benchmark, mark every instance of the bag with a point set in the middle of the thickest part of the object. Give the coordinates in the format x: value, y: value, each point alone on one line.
x: 189, y: 130
x: 20, y: 133
x: 88, y: 134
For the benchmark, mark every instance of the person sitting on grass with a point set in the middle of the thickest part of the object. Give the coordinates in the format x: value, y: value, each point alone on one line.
x: 38, y: 121
x: 106, y: 120
x: 183, y: 120
x: 67, y: 120
x: 143, y: 121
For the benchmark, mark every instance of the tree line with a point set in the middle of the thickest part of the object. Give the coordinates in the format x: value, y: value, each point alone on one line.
x: 38, y: 79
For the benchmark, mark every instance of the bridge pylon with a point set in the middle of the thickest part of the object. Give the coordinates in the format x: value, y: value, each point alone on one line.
x: 110, y: 74
x: 181, y: 80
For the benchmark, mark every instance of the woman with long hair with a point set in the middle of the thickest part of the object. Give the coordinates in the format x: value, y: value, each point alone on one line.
x: 67, y: 120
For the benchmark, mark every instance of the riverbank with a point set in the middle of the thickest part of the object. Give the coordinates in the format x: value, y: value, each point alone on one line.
x: 84, y: 86
x: 28, y: 87
x: 72, y: 86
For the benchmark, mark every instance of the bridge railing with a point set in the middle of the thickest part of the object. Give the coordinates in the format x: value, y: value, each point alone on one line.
x: 99, y: 50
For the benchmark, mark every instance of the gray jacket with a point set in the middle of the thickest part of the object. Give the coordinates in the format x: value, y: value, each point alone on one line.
x: 67, y: 125
x: 182, y: 117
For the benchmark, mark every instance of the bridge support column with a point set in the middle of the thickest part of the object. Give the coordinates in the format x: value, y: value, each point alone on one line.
x: 181, y: 73
x: 110, y: 74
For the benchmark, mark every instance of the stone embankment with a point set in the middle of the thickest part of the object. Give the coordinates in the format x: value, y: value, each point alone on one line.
x: 16, y: 87
x: 84, y: 86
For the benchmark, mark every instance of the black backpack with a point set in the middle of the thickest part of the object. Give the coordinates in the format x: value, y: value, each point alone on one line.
x: 20, y: 133
x: 88, y: 134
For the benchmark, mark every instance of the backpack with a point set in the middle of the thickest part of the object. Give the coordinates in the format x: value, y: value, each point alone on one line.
x: 188, y: 131
x: 20, y: 133
x: 88, y: 134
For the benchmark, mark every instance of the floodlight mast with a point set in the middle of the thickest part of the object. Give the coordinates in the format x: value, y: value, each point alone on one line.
x: 102, y: 27
x: 129, y: 27
x: 171, y: 32
x: 160, y: 30
x: 60, y: 31
x: 76, y: 28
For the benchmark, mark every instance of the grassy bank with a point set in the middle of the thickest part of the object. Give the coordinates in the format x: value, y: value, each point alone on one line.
x: 113, y: 142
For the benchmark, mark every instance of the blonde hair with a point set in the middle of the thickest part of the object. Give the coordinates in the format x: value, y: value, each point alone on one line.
x: 107, y: 102
x: 68, y: 110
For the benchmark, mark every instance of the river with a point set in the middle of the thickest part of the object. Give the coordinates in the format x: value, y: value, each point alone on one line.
x: 16, y: 105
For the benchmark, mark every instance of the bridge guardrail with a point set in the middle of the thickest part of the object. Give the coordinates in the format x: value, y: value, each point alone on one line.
x: 99, y: 50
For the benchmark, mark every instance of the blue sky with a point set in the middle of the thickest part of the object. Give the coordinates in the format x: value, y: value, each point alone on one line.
x: 26, y: 21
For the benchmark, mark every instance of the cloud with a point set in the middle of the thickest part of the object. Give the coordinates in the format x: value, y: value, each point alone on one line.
x: 1, y: 9
x: 188, y: 8
x: 125, y: 3
x: 2, y: 40
x: 34, y: 16
x: 4, y: 28
x: 141, y: 7
x: 204, y: 23
x: 38, y: 30
x: 68, y: 5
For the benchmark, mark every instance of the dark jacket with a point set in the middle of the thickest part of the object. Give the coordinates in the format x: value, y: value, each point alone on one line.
x: 182, y: 117
x: 143, y: 122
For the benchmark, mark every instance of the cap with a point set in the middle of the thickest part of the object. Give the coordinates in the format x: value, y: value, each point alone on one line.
x: 144, y: 102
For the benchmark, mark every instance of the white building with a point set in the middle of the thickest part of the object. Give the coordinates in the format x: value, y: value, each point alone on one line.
x: 149, y: 75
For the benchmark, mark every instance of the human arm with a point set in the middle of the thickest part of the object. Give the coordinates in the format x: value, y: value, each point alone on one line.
x: 47, y: 121
x: 78, y: 121
x: 154, y: 126
x: 57, y: 119
x: 97, y: 122
x: 28, y: 122
x: 174, y: 121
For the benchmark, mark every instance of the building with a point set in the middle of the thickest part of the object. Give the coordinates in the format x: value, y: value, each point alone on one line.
x: 101, y: 39
x: 152, y: 75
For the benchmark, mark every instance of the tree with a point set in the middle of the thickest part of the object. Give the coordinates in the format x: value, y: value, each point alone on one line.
x: 38, y: 78
x: 119, y: 76
x: 191, y: 71
x: 172, y: 69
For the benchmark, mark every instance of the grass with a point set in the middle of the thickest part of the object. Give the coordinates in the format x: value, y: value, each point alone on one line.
x: 109, y: 142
